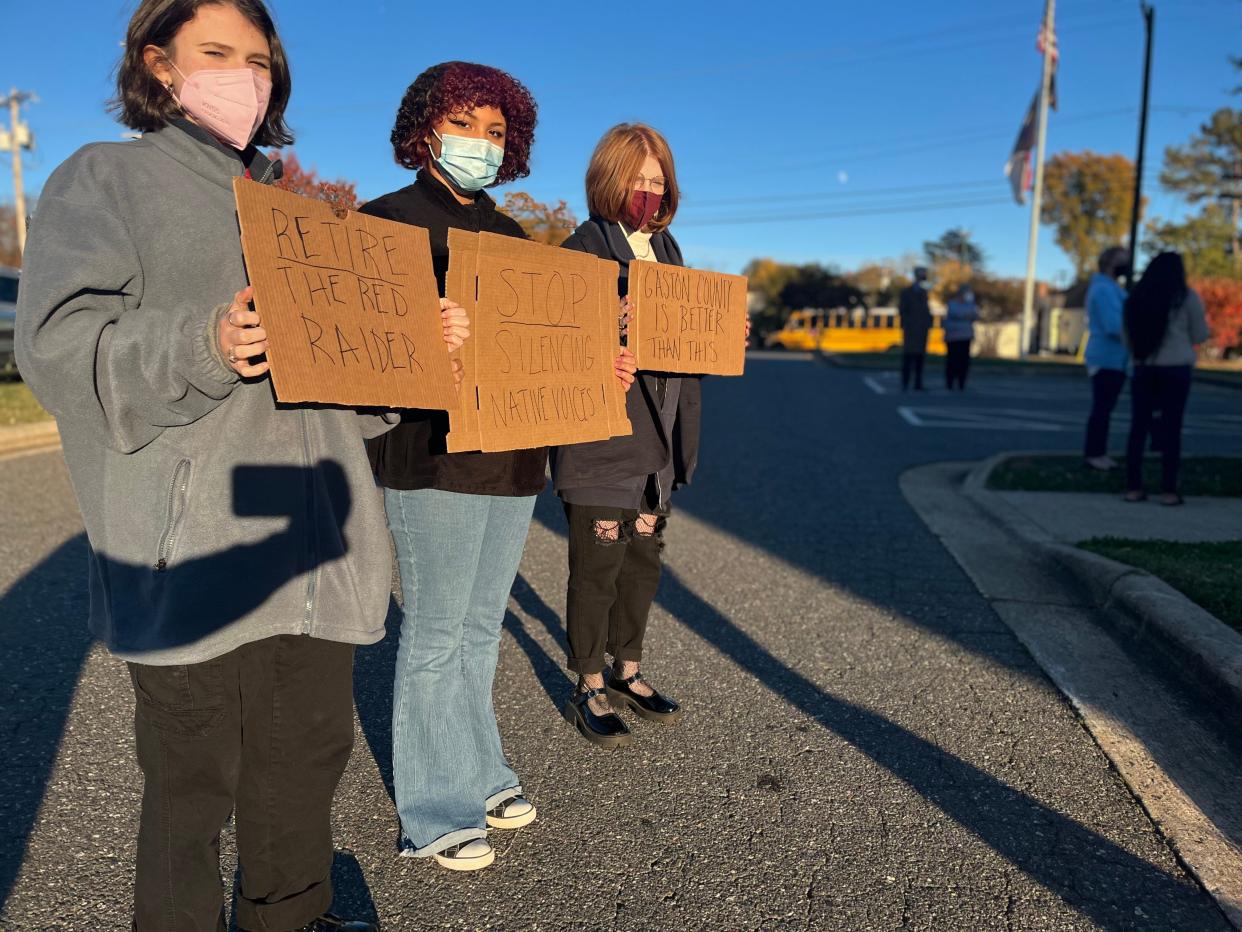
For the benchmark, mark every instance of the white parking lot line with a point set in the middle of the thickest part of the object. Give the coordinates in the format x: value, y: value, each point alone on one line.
x: 1022, y: 419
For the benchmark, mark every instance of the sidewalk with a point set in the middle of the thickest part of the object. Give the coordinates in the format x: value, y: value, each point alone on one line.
x: 1156, y: 679
x: 29, y: 438
x: 1200, y: 646
x: 1072, y: 517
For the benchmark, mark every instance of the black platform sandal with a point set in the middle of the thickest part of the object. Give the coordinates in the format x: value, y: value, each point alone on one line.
x: 606, y: 731
x: 654, y: 708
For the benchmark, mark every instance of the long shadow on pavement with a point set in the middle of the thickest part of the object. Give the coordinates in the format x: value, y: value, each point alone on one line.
x: 1041, y: 842
x: 375, y: 668
x: 552, y: 676
x: 1046, y: 845
x: 43, y: 646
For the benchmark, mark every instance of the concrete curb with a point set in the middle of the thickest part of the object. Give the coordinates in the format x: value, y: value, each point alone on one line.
x: 24, y: 438
x: 1202, y: 647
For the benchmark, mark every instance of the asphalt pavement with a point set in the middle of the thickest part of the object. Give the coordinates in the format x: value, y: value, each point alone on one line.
x: 867, y: 744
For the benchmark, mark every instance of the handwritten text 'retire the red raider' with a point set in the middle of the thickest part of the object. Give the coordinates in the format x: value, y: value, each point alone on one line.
x: 350, y: 302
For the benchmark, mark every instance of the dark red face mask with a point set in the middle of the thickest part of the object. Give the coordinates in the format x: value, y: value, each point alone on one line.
x: 641, y: 208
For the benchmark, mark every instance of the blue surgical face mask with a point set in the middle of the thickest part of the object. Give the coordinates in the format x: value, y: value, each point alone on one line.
x: 472, y: 164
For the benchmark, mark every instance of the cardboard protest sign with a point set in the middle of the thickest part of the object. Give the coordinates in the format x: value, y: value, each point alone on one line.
x: 350, y: 304
x: 686, y: 320
x: 544, y: 334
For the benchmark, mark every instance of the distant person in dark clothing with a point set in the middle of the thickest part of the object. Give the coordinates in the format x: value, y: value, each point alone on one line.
x: 1106, y: 355
x: 959, y: 333
x: 916, y: 321
x: 1164, y: 323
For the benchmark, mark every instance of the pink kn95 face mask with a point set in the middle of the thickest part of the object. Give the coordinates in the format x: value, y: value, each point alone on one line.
x: 229, y: 103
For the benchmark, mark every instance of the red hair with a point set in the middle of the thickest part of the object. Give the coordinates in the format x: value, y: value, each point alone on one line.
x: 455, y: 86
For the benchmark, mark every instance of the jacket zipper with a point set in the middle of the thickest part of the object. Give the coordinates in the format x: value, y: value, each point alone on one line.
x: 267, y: 172
x: 176, y: 507
x: 312, y: 529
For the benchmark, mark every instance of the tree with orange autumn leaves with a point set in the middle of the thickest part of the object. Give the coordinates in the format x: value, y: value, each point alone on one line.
x: 1222, y: 299
x: 340, y: 194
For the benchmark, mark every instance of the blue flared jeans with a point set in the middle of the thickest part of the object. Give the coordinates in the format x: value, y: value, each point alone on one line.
x: 458, y: 556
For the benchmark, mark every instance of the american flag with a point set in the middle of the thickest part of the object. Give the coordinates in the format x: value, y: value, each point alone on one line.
x: 1018, y: 168
x: 1048, y: 36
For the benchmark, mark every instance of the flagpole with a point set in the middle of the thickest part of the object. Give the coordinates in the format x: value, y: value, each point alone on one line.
x: 1149, y: 22
x: 1028, y: 302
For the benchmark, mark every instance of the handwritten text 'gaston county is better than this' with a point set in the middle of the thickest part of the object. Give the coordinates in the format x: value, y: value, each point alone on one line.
x: 690, y: 314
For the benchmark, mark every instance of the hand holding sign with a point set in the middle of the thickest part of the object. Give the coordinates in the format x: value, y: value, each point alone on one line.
x: 456, y: 324
x: 242, y: 338
x: 625, y: 365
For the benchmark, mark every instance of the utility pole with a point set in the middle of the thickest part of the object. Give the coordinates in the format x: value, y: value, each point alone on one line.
x: 14, y: 139
x: 1149, y: 22
x: 1037, y: 198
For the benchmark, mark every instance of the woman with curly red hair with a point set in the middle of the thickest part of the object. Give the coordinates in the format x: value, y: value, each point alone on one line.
x: 459, y: 520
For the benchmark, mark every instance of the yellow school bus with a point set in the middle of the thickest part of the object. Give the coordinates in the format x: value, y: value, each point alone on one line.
x: 858, y: 330
x: 801, y: 332
x: 873, y: 330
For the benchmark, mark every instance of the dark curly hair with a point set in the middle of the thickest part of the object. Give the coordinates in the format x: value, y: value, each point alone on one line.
x: 455, y: 86
x: 143, y: 104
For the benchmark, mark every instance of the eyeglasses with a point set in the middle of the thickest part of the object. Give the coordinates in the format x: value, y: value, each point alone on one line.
x: 654, y: 185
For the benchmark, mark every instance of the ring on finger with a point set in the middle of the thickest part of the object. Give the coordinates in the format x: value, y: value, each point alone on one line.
x: 233, y: 356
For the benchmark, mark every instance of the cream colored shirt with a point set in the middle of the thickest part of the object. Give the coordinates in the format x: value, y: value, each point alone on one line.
x: 641, y: 244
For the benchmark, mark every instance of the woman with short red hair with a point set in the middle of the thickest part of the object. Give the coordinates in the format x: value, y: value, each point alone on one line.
x: 616, y: 492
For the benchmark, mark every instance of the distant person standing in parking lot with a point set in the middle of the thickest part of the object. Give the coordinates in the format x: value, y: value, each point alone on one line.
x: 1106, y: 355
x: 959, y: 334
x: 916, y: 320
x: 1164, y: 324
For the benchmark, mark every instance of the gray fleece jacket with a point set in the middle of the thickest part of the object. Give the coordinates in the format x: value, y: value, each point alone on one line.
x: 215, y: 516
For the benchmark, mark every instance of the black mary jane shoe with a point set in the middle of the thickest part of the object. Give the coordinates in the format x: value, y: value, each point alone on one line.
x: 654, y: 708
x: 607, y: 731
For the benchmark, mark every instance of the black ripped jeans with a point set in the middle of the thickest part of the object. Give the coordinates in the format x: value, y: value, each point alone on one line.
x: 264, y: 732
x: 614, y: 572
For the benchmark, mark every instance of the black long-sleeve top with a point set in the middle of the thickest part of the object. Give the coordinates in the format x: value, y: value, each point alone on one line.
x: 412, y: 455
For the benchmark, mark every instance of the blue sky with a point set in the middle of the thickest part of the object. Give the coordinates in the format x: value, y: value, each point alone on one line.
x: 792, y: 122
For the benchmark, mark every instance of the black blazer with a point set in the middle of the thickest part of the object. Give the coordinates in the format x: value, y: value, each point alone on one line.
x: 647, y: 450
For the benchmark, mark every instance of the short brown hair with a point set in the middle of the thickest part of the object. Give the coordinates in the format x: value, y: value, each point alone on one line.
x: 143, y: 104
x: 616, y: 162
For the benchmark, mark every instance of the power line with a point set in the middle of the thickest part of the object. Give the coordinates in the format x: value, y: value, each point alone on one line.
x: 976, y: 186
x: 866, y: 192
x: 916, y: 207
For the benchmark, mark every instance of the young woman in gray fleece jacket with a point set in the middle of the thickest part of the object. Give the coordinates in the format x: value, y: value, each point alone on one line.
x: 238, y: 548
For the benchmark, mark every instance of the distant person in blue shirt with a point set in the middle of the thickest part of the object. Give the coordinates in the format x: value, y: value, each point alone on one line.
x: 1106, y: 355
x: 959, y: 333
